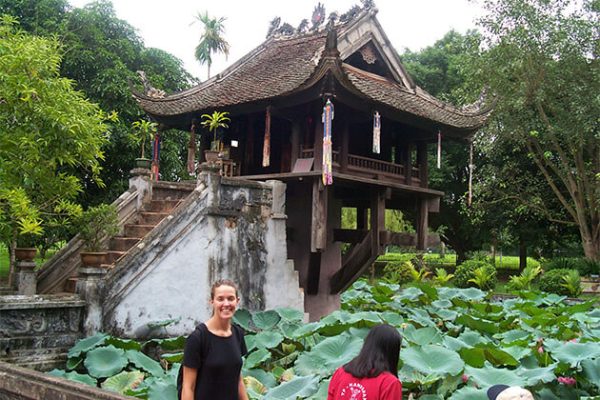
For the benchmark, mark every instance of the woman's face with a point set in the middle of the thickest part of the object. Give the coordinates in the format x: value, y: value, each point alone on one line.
x: 224, y: 302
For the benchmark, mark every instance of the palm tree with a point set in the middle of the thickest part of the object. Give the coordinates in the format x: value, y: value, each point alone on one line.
x: 212, y: 40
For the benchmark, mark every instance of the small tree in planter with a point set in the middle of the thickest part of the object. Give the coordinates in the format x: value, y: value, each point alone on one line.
x: 95, y: 224
x: 143, y: 131
x: 214, y: 122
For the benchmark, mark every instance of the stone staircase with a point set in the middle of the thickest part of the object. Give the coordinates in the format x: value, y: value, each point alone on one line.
x: 166, y: 196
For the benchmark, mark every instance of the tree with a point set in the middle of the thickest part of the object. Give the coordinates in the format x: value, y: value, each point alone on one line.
x: 49, y: 132
x: 542, y: 66
x: 212, y: 40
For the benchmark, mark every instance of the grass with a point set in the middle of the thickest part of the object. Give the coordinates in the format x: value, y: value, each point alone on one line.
x: 449, y: 260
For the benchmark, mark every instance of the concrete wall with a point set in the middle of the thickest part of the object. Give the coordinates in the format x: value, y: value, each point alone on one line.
x: 225, y: 229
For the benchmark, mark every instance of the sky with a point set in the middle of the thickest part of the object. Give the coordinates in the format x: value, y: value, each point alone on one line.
x: 169, y: 24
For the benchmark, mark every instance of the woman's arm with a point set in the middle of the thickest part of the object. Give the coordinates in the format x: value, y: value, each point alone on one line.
x: 188, y: 386
x: 242, y: 395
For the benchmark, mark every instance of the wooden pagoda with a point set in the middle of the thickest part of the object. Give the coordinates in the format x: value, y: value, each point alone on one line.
x: 276, y: 96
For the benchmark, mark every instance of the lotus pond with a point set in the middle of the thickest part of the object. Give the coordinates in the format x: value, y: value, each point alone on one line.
x: 457, y: 342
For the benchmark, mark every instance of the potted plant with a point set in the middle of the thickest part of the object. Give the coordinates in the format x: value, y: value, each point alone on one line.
x: 95, y: 224
x: 215, y: 122
x: 144, y: 131
x: 26, y: 250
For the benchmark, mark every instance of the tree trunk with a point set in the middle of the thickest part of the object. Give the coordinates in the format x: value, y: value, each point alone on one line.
x: 591, y: 247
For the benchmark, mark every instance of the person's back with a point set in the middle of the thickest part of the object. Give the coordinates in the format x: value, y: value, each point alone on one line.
x: 345, y: 386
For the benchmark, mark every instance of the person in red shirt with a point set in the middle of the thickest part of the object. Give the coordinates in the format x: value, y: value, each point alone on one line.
x: 373, y: 374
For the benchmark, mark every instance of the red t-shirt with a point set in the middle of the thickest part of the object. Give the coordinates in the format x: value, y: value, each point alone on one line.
x: 344, y: 386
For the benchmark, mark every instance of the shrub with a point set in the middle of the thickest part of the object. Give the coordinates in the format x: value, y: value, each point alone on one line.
x: 552, y: 281
x: 442, y: 277
x: 523, y: 281
x: 584, y: 266
x: 465, y: 272
x: 399, y: 272
x: 572, y: 282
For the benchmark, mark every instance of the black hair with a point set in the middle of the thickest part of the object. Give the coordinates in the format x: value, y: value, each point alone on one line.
x: 380, y: 353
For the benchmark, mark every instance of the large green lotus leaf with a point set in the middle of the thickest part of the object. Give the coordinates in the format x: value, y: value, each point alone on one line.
x: 306, y: 330
x: 242, y: 317
x: 454, y: 344
x: 488, y: 376
x: 172, y: 357
x: 267, y: 339
x: 125, y: 344
x: 82, y: 378
x: 410, y: 294
x: 574, y: 353
x: 74, y: 362
x: 290, y: 314
x: 144, y: 362
x: 264, y: 377
x: 552, y: 299
x: 533, y: 376
x: 477, y: 324
x: 420, y: 316
x: 360, y: 333
x: 250, y: 342
x: 476, y: 357
x: 469, y: 393
x: 591, y: 370
x: 322, y: 392
x: 288, y: 329
x: 265, y: 320
x: 443, y: 303
x: 472, y: 338
x: 513, y: 335
x: 447, y: 293
x: 87, y: 344
x: 162, y: 390
x: 328, y: 355
x: 366, y: 316
x: 471, y: 294
x: 392, y: 318
x: 300, y: 387
x: 176, y: 343
x: 517, y: 352
x: 103, y: 362
x: 446, y: 315
x: 422, y: 336
x: 429, y: 290
x: 433, y: 359
x: 473, y: 357
x: 431, y: 397
x: 123, y: 381
x: 256, y: 357
x: 254, y: 385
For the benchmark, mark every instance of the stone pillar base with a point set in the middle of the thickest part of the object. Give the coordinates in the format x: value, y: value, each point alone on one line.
x: 26, y: 278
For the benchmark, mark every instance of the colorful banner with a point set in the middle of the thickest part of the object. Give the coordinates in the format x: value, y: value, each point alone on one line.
x: 439, y: 150
x: 191, y: 156
x: 376, y: 133
x: 327, y: 117
x: 266, y: 161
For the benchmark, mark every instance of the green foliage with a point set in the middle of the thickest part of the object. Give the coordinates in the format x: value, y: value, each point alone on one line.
x: 525, y: 279
x: 144, y: 130
x: 552, y: 281
x: 466, y: 275
x: 97, y: 223
x: 585, y: 266
x: 572, y: 283
x: 213, y: 122
x: 399, y: 272
x: 442, y: 277
x: 212, y: 40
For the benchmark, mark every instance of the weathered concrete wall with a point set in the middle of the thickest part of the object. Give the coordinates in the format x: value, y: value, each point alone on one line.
x: 225, y: 229
x: 37, y: 331
x: 24, y: 384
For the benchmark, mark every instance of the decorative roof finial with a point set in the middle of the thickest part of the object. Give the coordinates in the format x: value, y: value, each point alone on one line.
x: 274, y: 24
x: 318, y: 16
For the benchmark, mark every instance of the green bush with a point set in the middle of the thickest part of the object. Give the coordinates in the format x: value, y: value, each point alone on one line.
x: 465, y: 276
x: 552, y: 281
x: 399, y: 272
x: 584, y: 266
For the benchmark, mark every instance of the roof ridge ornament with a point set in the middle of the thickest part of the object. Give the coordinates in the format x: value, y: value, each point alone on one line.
x: 150, y: 90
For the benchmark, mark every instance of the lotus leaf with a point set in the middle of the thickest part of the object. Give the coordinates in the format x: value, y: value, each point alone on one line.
x: 267, y: 339
x: 82, y: 378
x: 488, y: 376
x: 444, y: 303
x: 410, y: 294
x: 242, y: 317
x: 176, y: 343
x: 534, y: 376
x: 392, y: 318
x: 290, y: 314
x: 289, y: 328
x: 125, y: 344
x: 265, y: 378
x: 123, y: 381
x: 74, y: 362
x: 265, y: 320
x: 433, y: 359
x: 172, y: 357
x: 574, y: 353
x: 322, y: 392
x: 144, y: 362
x: 514, y: 335
x: 423, y: 336
x: 106, y: 361
x: 257, y: 357
x: 591, y: 370
x: 87, y: 344
x: 328, y: 355
x: 517, y: 352
x: 162, y: 323
x: 161, y: 390
x: 469, y: 393
x: 477, y: 324
x: 255, y: 385
x: 299, y: 387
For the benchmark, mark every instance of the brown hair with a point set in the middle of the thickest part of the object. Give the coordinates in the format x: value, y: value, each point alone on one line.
x: 222, y: 282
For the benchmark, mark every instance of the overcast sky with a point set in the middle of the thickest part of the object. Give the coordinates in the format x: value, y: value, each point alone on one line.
x: 168, y: 24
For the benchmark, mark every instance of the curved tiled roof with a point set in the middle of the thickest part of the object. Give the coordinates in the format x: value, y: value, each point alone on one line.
x: 282, y: 66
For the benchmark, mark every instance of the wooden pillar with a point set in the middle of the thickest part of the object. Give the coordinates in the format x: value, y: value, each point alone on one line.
x: 377, y: 219
x: 422, y: 223
x: 362, y: 218
x: 318, y: 145
x: 318, y: 231
x: 344, y: 146
x: 295, y: 142
x: 422, y: 163
x: 249, y: 150
x: 407, y: 150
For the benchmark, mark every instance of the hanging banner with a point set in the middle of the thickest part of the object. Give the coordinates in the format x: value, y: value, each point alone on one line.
x: 470, y: 196
x: 266, y: 161
x: 439, y: 150
x: 376, y: 133
x: 327, y: 117
x: 191, y: 157
x: 156, y: 156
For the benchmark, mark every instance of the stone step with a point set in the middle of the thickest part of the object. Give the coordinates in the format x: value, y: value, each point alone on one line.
x: 135, y: 230
x: 165, y: 206
x: 121, y: 243
x: 7, y: 291
x: 151, y: 218
x: 112, y: 256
